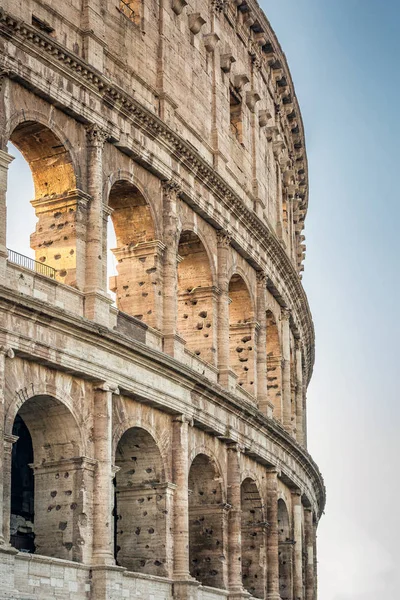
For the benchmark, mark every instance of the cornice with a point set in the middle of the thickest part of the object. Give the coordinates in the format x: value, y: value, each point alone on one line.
x: 154, y: 127
x: 117, y: 343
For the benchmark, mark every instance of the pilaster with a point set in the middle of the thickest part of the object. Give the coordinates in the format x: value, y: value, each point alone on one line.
x: 286, y: 382
x: 171, y: 191
x: 97, y: 302
x: 5, y: 352
x: 299, y: 395
x: 103, y: 491
x: 298, y: 546
x: 309, y: 542
x: 5, y: 160
x: 272, y: 535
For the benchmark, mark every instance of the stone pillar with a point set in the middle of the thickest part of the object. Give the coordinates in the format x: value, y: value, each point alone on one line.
x: 103, y: 490
x: 309, y: 541
x: 262, y: 399
x: 9, y: 441
x: 286, y: 382
x: 298, y: 547
x: 180, y: 461
x: 5, y: 160
x: 171, y: 192
x: 234, y: 522
x: 137, y: 285
x: 97, y: 302
x: 315, y: 525
x: 272, y: 536
x: 299, y: 394
x: 5, y: 352
x: 226, y: 376
x: 63, y: 246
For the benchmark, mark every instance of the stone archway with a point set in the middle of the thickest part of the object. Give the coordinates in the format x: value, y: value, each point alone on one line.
x: 142, y: 505
x: 242, y: 342
x: 137, y: 284
x: 206, y: 536
x: 197, y: 298
x: 55, y: 480
x: 253, y: 539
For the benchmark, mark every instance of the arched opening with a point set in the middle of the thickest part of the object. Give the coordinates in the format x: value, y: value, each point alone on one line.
x: 253, y: 539
x: 22, y: 490
x: 48, y: 508
x: 274, y: 366
x: 142, y: 505
x: 59, y: 237
x: 206, y: 543
x: 242, y: 334
x: 197, y: 301
x: 137, y: 284
x: 285, y: 552
x: 20, y: 191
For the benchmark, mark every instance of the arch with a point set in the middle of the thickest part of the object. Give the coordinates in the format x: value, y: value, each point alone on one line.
x: 22, y: 116
x: 135, y: 181
x: 274, y: 365
x: 237, y: 270
x: 137, y: 284
x: 242, y: 333
x: 197, y: 297
x: 43, y: 389
x: 51, y: 446
x: 142, y: 503
x: 206, y: 531
x: 285, y: 552
x: 252, y: 539
x: 58, y: 240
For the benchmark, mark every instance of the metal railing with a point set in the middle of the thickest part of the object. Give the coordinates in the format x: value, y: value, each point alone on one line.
x: 127, y: 10
x: 31, y: 264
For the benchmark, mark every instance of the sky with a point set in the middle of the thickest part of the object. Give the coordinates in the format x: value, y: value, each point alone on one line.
x: 343, y: 56
x: 344, y: 59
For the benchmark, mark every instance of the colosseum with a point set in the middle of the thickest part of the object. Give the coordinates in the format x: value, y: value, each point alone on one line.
x: 154, y: 418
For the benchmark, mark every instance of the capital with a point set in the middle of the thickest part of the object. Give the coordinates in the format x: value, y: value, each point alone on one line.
x: 96, y: 135
x: 261, y: 278
x: 285, y: 314
x: 223, y: 238
x: 171, y: 188
x: 184, y: 420
x: 7, y: 351
x: 104, y: 386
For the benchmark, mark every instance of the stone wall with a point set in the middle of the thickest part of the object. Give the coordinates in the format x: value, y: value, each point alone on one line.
x: 155, y: 447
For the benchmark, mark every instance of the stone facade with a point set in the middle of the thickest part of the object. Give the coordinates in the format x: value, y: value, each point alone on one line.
x: 155, y: 448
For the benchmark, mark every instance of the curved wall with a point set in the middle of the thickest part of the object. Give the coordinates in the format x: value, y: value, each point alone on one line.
x: 167, y: 429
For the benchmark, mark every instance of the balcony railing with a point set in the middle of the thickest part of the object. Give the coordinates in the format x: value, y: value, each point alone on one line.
x: 32, y: 265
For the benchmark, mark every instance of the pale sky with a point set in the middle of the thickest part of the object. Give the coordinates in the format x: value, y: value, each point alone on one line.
x: 344, y: 57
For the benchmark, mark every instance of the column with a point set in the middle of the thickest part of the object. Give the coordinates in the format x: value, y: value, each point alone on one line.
x: 299, y: 394
x: 180, y: 460
x: 263, y: 403
x: 171, y: 192
x: 5, y: 352
x: 96, y: 300
x: 223, y: 249
x: 298, y: 547
x: 315, y: 525
x: 286, y: 383
x: 309, y: 541
x: 234, y: 520
x: 272, y: 536
x: 9, y: 441
x: 5, y: 160
x: 103, y: 490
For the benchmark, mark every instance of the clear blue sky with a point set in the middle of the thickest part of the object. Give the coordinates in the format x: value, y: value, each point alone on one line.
x: 344, y: 57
